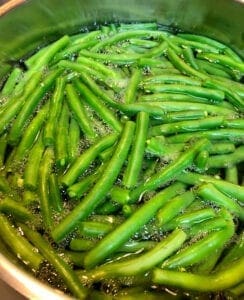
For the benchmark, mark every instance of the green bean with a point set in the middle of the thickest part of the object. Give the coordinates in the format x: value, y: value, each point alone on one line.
x: 170, y: 171
x: 134, y: 246
x: 187, y: 126
x: 79, y: 111
x: 188, y: 219
x: 100, y: 189
x: 203, y: 283
x: 61, y: 146
x: 233, y: 135
x: 174, y: 207
x: 55, y: 108
x: 125, y: 35
x: 142, y: 263
x: 31, y: 173
x: 94, y: 229
x: 200, y: 250
x: 236, y: 291
x: 221, y: 148
x: 212, y: 95
x: 230, y: 189
x: 10, y: 83
x: 164, y: 64
x: 230, y: 94
x: 3, y: 147
x: 171, y: 78
x: 130, y: 93
x: 234, y: 252
x: 209, y: 193
x: 54, y: 192
x: 235, y: 124
x: 189, y: 57
x: 115, y: 239
x: 44, y: 173
x: 108, y: 208
x: 226, y: 160
x: 81, y: 244
x: 161, y: 108
x: 74, y: 140
x: 143, y: 43
x: 98, y: 106
x: 75, y: 258
x: 30, y: 106
x: 231, y: 174
x: 201, y: 160
x: 137, y: 152
x: 86, y: 158
x: 97, y: 90
x: 222, y: 59
x: 14, y: 105
x: 215, y: 70
x: 182, y: 66
x: 65, y: 271
x: 20, y: 246
x: 4, y: 185
x: 11, y: 207
x: 31, y: 133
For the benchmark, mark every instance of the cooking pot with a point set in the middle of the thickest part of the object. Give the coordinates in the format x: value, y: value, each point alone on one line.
x: 26, y: 25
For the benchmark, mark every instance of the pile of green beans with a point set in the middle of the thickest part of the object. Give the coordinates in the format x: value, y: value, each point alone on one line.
x: 121, y: 159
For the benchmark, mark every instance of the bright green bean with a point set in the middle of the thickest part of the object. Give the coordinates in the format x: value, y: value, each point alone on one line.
x: 231, y: 174
x: 137, y: 152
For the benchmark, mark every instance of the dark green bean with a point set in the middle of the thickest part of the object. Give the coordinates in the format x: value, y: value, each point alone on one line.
x: 54, y: 192
x: 10, y: 207
x: 189, y: 57
x: 74, y: 140
x: 3, y: 147
x: 115, y: 239
x: 81, y: 244
x: 100, y: 189
x: 171, y: 78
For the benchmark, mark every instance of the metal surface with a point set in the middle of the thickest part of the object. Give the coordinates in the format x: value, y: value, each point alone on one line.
x: 37, y: 22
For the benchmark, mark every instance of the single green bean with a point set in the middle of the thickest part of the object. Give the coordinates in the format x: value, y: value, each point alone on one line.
x: 3, y: 147
x: 214, y: 69
x: 54, y: 192
x: 232, y: 135
x: 174, y: 207
x: 171, y: 78
x: 188, y: 219
x: 10, y: 83
x: 65, y: 271
x: 221, y: 148
x: 201, y: 160
x: 161, y: 108
x: 170, y: 171
x: 19, y: 245
x: 130, y: 93
x: 31, y: 133
x: 115, y: 239
x: 61, y: 146
x: 78, y: 108
x: 231, y: 174
x: 74, y: 140
x: 17, y: 210
x: 44, y: 172
x: 100, y: 189
x: 187, y: 126
x: 82, y: 244
x: 86, y: 158
x: 203, y: 283
x: 105, y: 113
x: 209, y: 193
x: 189, y: 58
x: 94, y: 229
x: 55, y: 108
x: 31, y: 172
x: 137, y: 152
x: 197, y: 91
